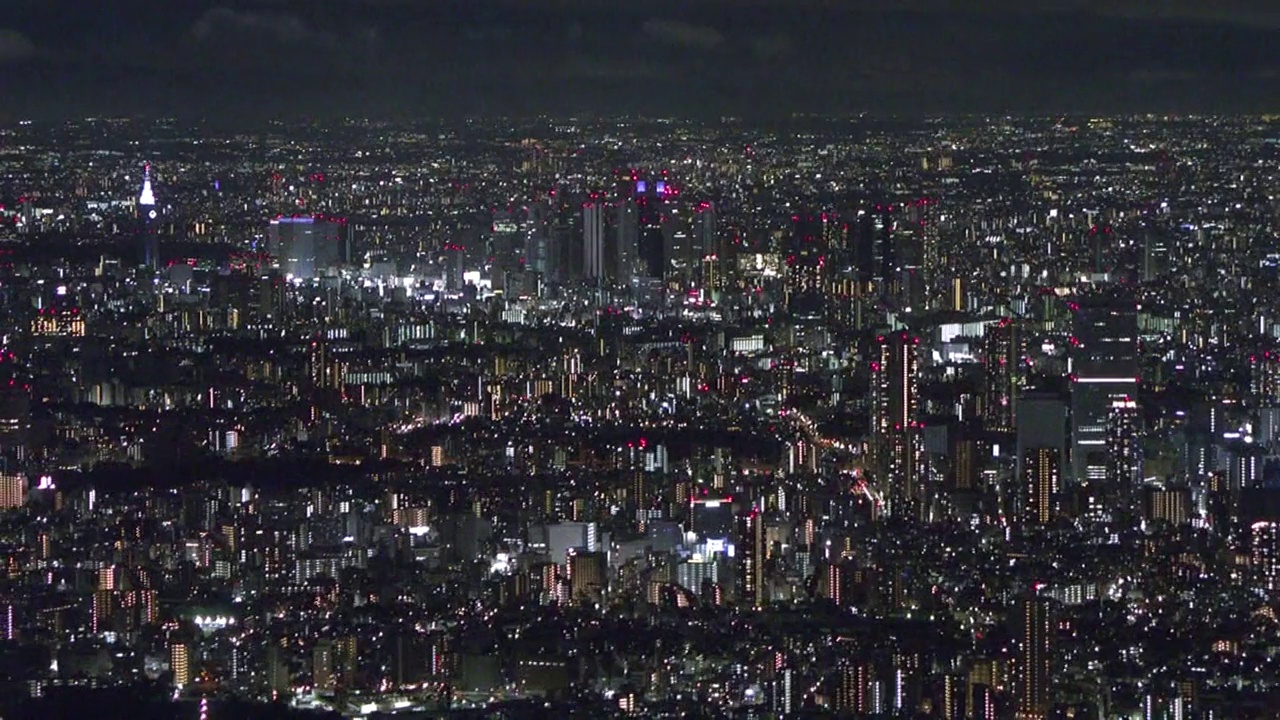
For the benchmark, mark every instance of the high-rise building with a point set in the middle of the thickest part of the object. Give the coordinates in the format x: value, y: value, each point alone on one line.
x: 626, y: 225
x: 13, y: 491
x: 587, y: 579
x: 1041, y: 423
x: 750, y: 552
x: 1124, y: 470
x: 1264, y: 542
x: 805, y: 261
x: 1032, y: 668
x: 180, y: 663
x: 593, y: 239
x: 1103, y: 369
x: 651, y: 211
x: 1002, y: 362
x: 1042, y: 472
x: 506, y: 250
x: 148, y: 222
x: 897, y: 433
x: 303, y: 246
x: 1155, y: 253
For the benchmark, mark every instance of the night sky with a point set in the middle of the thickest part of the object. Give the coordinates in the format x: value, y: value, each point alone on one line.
x: 252, y: 60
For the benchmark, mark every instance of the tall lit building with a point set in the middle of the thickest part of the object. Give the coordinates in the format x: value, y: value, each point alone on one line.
x: 148, y: 222
x: 1042, y: 472
x: 15, y: 410
x: 626, y: 226
x: 1041, y: 424
x: 593, y: 239
x: 1264, y: 542
x: 180, y: 664
x: 651, y: 210
x: 898, y: 437
x: 1032, y: 668
x: 587, y: 575
x: 1124, y: 471
x: 1104, y: 369
x: 805, y: 260
x: 750, y: 552
x: 1002, y: 363
x: 13, y: 491
x: 304, y: 246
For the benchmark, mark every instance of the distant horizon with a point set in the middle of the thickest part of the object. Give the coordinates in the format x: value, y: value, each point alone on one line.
x: 1065, y: 116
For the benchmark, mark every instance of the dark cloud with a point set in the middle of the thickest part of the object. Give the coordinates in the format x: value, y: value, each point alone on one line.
x: 712, y: 57
x: 14, y: 46
x: 221, y: 22
x: 676, y: 32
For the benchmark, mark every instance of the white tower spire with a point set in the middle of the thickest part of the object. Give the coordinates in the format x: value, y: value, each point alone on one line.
x: 147, y: 197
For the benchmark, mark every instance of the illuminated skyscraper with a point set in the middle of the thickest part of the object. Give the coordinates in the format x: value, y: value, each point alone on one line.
x: 305, y: 246
x: 1032, y: 667
x: 897, y: 433
x: 1041, y: 424
x: 13, y: 491
x: 651, y: 210
x: 750, y: 551
x: 593, y: 239
x: 148, y: 222
x: 1002, y: 362
x: 1124, y: 470
x: 180, y: 663
x: 1104, y: 369
x: 626, y: 226
x: 1042, y: 472
x: 805, y: 259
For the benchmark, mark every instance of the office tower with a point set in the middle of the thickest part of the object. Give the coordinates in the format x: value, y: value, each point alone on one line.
x: 897, y: 435
x: 967, y: 454
x: 1032, y: 666
x: 705, y: 241
x: 593, y: 239
x: 15, y: 410
x: 862, y: 248
x: 506, y: 250
x: 711, y: 517
x: 537, y: 236
x: 304, y: 246
x: 587, y: 579
x: 1002, y: 364
x: 148, y: 223
x: 1103, y: 369
x: 1155, y: 253
x: 805, y: 261
x: 750, y: 550
x: 1042, y: 472
x: 1124, y: 474
x: 180, y: 663
x: 626, y: 225
x: 1042, y: 420
x: 651, y: 211
x: 1169, y: 505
